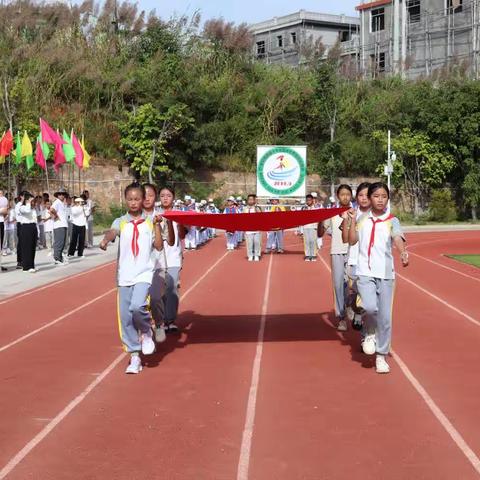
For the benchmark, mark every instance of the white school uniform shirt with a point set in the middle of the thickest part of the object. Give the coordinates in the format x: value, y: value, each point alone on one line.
x: 353, y: 249
x: 134, y: 267
x: 90, y: 204
x: 79, y: 215
x: 18, y: 214
x: 29, y: 214
x: 376, y: 259
x: 10, y: 221
x: 47, y: 220
x: 333, y: 228
x: 3, y: 204
x: 60, y: 208
x: 172, y: 255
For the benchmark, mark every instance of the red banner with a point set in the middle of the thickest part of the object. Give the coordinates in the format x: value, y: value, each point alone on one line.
x: 253, y: 222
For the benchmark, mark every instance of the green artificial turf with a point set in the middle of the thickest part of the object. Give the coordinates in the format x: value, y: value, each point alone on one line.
x: 470, y: 259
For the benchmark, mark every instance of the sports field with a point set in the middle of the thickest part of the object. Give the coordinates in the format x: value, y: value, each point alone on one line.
x: 258, y: 385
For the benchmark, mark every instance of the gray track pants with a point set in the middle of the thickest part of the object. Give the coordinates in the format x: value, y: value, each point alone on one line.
x: 340, y: 284
x: 164, y: 295
x: 310, y: 242
x: 377, y: 300
x: 133, y: 316
x: 59, y: 239
x: 254, y: 244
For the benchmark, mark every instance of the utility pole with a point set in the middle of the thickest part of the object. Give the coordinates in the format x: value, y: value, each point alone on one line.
x: 388, y: 170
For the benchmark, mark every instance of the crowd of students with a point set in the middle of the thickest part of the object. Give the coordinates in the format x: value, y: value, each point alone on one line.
x: 151, y: 255
x: 63, y: 225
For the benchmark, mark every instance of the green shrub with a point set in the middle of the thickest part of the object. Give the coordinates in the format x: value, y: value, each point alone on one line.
x: 442, y: 206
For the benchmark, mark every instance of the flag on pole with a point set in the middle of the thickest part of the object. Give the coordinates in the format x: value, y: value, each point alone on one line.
x: 27, y: 151
x: 6, y: 144
x: 40, y: 158
x: 68, y: 149
x: 48, y: 134
x: 86, y: 155
x: 78, y: 150
x: 18, y: 149
x: 44, y: 146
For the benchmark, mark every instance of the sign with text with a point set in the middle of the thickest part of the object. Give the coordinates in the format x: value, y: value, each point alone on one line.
x: 281, y: 171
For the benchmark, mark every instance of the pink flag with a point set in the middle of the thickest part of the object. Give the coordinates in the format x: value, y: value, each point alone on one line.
x: 58, y: 157
x: 78, y: 151
x: 39, y: 157
x: 49, y: 135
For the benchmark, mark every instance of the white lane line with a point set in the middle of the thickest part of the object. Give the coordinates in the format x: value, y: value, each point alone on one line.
x: 245, y: 449
x: 57, y: 320
x: 439, y: 415
x: 204, y: 275
x: 445, y: 267
x: 13, y: 462
x: 53, y: 423
x: 52, y: 284
x: 435, y: 409
x: 443, y: 302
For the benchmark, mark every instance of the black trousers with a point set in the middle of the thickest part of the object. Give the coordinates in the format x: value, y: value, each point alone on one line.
x: 29, y: 238
x: 2, y: 234
x: 19, y: 244
x: 77, y: 240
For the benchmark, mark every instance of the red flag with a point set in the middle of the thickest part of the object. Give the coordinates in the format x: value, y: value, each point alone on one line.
x: 39, y: 157
x: 253, y: 222
x: 49, y: 135
x: 58, y: 157
x: 6, y: 144
x: 78, y: 150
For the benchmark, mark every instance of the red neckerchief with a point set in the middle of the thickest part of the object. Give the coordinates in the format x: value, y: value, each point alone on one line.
x: 136, y: 234
x: 372, y: 234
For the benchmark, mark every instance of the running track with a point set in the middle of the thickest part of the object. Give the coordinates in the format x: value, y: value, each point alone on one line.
x: 258, y: 385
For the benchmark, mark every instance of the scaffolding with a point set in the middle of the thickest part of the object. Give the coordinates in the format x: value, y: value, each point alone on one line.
x: 420, y: 45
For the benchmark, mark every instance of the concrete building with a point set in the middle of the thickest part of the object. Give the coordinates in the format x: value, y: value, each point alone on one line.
x: 418, y: 38
x: 281, y: 39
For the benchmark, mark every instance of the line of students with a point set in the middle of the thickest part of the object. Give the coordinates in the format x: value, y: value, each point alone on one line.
x: 149, y: 264
x: 363, y: 272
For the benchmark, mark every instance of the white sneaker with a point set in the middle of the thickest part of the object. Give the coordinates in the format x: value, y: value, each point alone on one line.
x: 381, y: 364
x: 4, y: 253
x: 342, y: 326
x: 256, y: 259
x: 32, y: 270
x: 148, y: 345
x: 250, y: 259
x: 350, y: 313
x: 369, y: 345
x: 160, y: 335
x: 135, y: 365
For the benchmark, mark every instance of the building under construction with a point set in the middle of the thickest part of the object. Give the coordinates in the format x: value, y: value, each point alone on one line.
x: 411, y: 38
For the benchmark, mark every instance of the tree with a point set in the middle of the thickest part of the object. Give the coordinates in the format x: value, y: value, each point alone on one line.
x: 145, y: 135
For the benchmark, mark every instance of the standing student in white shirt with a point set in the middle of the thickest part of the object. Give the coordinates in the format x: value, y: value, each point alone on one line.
x: 310, y: 233
x: 79, y: 214
x: 354, y: 311
x: 169, y: 264
x: 138, y: 238
x: 29, y: 232
x: 18, y: 216
x: 338, y: 255
x: 48, y: 226
x: 91, y: 208
x: 3, y: 216
x: 60, y: 225
x: 375, y: 232
x: 10, y: 231
x: 254, y: 239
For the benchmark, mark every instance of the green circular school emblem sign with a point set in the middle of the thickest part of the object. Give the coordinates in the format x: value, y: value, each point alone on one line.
x: 281, y: 171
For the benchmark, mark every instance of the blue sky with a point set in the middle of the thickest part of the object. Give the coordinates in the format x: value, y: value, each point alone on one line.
x: 249, y: 11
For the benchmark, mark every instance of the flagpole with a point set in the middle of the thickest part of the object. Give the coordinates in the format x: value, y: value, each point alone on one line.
x: 46, y: 176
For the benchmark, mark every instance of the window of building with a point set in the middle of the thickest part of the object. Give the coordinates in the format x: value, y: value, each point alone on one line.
x: 454, y: 6
x: 261, y: 48
x: 378, y: 63
x: 280, y: 41
x: 293, y: 38
x: 345, y: 36
x: 413, y: 8
x: 378, y: 19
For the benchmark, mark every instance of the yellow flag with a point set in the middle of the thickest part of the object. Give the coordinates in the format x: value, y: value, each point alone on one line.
x: 2, y: 160
x: 86, y: 155
x: 27, y: 149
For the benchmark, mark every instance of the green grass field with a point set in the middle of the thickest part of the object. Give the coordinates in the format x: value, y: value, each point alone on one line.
x: 470, y: 259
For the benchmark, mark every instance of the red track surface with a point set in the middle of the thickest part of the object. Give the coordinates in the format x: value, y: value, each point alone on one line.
x: 321, y: 411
